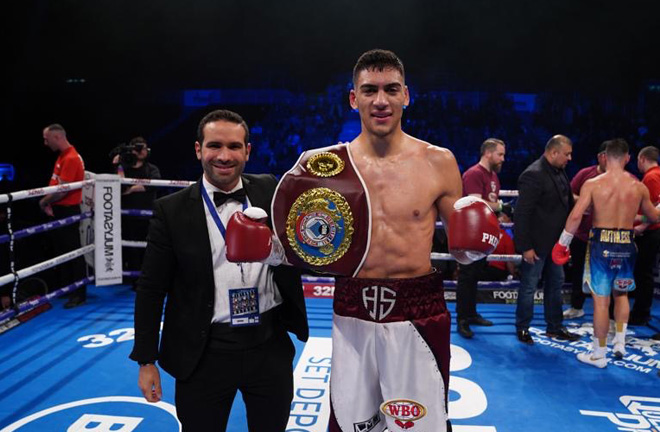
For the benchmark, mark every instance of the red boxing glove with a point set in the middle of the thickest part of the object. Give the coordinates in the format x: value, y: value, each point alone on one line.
x: 247, y: 238
x: 561, y: 252
x: 474, y: 230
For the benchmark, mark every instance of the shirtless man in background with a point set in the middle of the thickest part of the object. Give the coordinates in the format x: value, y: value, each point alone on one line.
x: 616, y: 197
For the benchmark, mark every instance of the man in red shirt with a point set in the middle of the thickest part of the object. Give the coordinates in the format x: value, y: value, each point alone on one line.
x: 481, y: 181
x: 69, y: 168
x: 579, y: 244
x: 647, y: 238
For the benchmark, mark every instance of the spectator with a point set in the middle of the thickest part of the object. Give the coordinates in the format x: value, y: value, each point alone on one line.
x: 69, y: 168
x: 544, y: 202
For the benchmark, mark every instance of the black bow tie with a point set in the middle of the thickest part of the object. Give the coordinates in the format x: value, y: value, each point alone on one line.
x: 220, y: 198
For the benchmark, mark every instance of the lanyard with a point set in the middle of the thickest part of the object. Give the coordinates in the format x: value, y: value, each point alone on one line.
x: 214, y: 212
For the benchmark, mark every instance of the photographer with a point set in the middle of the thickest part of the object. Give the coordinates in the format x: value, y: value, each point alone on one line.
x: 131, y: 162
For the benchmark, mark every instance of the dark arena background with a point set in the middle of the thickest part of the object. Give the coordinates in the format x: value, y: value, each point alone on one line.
x: 520, y: 71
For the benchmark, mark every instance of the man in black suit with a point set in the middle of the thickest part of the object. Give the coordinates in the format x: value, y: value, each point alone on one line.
x: 544, y: 202
x: 225, y: 325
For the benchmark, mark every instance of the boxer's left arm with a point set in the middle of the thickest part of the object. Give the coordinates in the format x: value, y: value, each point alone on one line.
x: 477, y: 214
x: 450, y: 179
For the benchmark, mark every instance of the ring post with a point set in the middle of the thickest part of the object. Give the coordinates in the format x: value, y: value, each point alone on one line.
x: 107, y: 229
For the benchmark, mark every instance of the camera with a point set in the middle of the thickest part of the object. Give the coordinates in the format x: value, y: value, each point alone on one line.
x: 127, y: 152
x: 126, y: 156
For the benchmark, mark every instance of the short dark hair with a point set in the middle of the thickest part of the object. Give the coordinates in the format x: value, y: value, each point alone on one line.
x: 137, y: 140
x: 616, y: 148
x: 56, y: 127
x: 602, y: 147
x: 650, y: 153
x: 222, y: 115
x: 489, y: 145
x: 378, y: 59
x: 556, y: 141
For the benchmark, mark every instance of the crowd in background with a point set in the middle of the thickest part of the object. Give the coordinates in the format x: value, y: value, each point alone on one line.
x: 459, y: 121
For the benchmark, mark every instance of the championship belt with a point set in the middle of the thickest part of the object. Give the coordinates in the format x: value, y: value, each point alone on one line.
x: 320, y: 213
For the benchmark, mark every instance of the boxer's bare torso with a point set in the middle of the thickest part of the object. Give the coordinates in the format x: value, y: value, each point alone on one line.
x: 410, y: 182
x: 616, y: 197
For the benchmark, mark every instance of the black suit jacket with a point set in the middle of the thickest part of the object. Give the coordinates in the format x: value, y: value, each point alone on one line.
x: 540, y: 213
x: 178, y: 265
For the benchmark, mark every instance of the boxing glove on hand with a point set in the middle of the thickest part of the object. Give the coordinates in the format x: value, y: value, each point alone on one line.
x: 473, y: 231
x: 248, y: 239
x: 561, y: 252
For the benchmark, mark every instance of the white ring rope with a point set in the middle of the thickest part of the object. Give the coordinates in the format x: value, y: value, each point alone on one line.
x: 493, y: 257
x: 134, y: 244
x: 29, y: 271
x: 158, y: 182
x: 509, y: 193
x: 33, y: 193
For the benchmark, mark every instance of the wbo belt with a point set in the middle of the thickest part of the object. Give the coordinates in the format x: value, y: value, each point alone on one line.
x: 225, y: 337
x: 320, y: 212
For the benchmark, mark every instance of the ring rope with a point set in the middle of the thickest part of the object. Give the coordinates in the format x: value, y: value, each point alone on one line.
x: 494, y: 257
x: 32, y: 303
x: 157, y: 182
x: 33, y: 193
x: 448, y: 283
x: 12, y: 254
x: 134, y: 244
x: 28, y: 271
x: 135, y: 212
x: 46, y: 226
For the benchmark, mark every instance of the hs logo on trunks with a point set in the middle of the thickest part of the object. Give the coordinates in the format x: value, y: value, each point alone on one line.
x: 378, y: 301
x: 405, y: 412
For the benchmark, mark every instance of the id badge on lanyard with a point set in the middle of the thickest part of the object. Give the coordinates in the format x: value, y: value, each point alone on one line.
x: 244, y: 307
x: 243, y: 302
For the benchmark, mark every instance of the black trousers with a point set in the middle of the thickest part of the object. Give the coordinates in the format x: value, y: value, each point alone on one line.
x: 67, y: 239
x: 647, y: 250
x: 466, y: 288
x: 578, y: 254
x: 263, y: 374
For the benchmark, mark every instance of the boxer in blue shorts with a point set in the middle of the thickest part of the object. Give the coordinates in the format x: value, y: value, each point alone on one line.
x: 616, y: 197
x: 609, y: 262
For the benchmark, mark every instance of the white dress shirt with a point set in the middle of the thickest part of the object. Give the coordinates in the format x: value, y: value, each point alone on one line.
x: 228, y: 275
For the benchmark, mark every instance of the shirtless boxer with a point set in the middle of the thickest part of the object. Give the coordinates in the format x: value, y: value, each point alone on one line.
x: 390, y: 360
x: 616, y: 197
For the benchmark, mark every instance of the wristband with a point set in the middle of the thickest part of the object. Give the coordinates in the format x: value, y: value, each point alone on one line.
x: 565, y: 238
x: 645, y: 219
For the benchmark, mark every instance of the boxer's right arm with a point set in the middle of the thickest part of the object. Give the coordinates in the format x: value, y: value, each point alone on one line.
x: 248, y: 239
x: 561, y: 252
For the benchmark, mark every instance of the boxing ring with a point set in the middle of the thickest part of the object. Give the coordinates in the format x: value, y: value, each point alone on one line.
x: 69, y: 369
